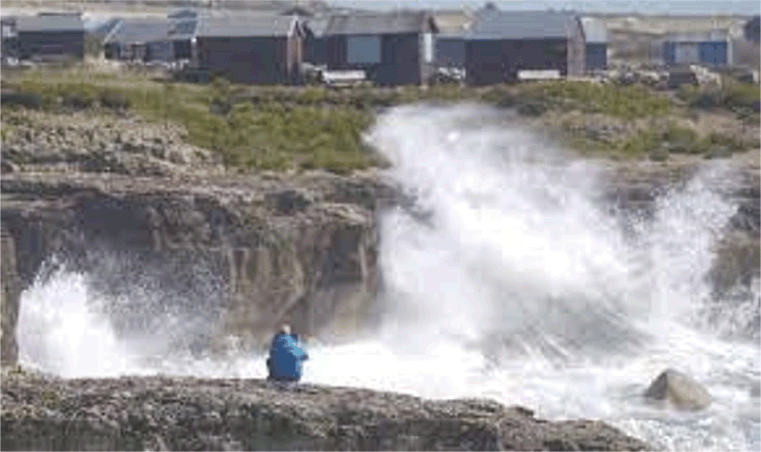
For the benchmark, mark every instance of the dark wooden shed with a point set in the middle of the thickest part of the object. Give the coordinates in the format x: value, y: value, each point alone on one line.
x: 140, y: 40
x: 450, y: 50
x: 393, y: 48
x: 596, y: 37
x: 315, y: 41
x: 252, y: 49
x: 502, y: 43
x: 751, y: 29
x: 182, y: 34
x: 10, y: 45
x: 50, y: 37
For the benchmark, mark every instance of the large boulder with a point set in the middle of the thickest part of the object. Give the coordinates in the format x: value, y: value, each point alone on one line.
x: 679, y: 390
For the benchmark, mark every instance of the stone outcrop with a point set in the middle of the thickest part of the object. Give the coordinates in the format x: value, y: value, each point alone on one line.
x: 40, y: 141
x: 9, y: 303
x: 156, y: 413
x: 301, y: 249
x: 633, y: 186
x: 679, y: 390
x: 298, y: 248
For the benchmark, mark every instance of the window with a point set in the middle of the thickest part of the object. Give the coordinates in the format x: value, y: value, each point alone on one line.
x: 428, y: 47
x: 554, y: 50
x: 363, y: 49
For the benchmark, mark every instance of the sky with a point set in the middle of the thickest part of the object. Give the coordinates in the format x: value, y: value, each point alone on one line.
x: 745, y: 7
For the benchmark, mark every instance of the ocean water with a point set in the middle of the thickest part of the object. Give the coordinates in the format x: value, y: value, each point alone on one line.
x: 506, y: 280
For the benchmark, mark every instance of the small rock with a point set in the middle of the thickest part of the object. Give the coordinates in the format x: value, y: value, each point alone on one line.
x: 680, y: 390
x: 288, y: 201
x: 719, y: 152
x: 8, y: 167
x: 660, y: 154
x: 159, y: 152
x: 177, y: 158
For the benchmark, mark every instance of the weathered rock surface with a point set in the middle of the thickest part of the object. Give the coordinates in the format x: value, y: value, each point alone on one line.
x: 300, y: 249
x: 42, y: 141
x: 281, y: 248
x: 156, y: 413
x: 9, y: 303
x: 636, y: 185
x: 679, y: 390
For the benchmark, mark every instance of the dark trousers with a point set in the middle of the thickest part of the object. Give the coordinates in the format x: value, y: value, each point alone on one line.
x: 270, y: 375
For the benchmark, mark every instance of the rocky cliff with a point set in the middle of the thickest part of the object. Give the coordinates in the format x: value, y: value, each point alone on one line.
x: 193, y: 414
x: 9, y: 303
x: 243, y: 253
x: 156, y: 223
x: 254, y: 251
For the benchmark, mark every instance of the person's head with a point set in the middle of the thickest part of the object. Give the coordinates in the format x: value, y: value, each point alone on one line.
x: 285, y: 329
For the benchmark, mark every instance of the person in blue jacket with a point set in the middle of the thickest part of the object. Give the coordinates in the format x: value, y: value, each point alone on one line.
x: 286, y: 356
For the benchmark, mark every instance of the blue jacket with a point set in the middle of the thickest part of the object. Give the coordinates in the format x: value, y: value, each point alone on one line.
x: 285, y: 357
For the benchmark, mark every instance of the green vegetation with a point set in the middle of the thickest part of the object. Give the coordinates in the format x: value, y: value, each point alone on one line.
x: 740, y: 98
x: 282, y: 135
x: 262, y: 130
x: 627, y: 102
x: 658, y: 142
x: 50, y: 399
x: 93, y: 45
x: 641, y: 143
x: 313, y: 127
x: 681, y: 140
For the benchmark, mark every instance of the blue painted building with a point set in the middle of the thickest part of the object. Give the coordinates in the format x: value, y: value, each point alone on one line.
x: 712, y: 48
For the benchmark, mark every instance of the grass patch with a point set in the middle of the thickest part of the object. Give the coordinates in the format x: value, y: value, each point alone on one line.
x: 741, y: 98
x: 720, y: 145
x: 277, y: 130
x: 681, y: 140
x: 628, y: 102
x: 313, y: 127
x: 675, y: 139
x: 642, y: 143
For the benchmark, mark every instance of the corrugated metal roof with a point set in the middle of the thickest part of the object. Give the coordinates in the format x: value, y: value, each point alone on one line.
x: 183, y: 29
x: 455, y: 35
x: 396, y: 22
x: 453, y: 22
x: 136, y: 31
x: 595, y: 30
x: 702, y: 36
x: 49, y: 23
x: 520, y: 25
x: 102, y: 30
x: 264, y: 24
x: 187, y: 13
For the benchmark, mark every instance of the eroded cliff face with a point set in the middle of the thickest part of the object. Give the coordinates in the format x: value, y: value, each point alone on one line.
x: 157, y: 413
x: 250, y: 252
x: 236, y: 255
x: 9, y: 303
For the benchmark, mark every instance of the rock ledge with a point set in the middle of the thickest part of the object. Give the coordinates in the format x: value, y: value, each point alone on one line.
x: 161, y: 413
